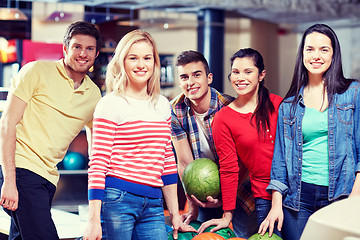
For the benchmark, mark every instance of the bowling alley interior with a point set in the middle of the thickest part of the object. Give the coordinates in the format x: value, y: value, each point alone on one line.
x: 33, y: 30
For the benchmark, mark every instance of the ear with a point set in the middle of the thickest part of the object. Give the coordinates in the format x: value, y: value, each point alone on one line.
x: 210, y: 78
x: 64, y: 49
x: 262, y: 75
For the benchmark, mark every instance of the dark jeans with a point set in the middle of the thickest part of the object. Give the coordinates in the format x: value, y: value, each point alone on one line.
x: 312, y: 198
x: 32, y: 220
x: 244, y: 224
x: 263, y: 207
x: 206, y: 214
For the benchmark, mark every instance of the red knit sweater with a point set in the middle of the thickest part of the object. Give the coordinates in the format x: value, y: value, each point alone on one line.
x: 237, y: 144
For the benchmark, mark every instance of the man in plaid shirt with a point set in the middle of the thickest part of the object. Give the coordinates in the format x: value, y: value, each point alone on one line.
x: 192, y: 114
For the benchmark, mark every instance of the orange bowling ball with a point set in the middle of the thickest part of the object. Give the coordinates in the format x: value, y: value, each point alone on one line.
x: 208, y: 236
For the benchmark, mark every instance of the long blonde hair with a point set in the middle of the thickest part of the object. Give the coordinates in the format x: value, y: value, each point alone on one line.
x: 116, y: 77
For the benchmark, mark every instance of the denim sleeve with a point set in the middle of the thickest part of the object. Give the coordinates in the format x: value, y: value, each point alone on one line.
x: 278, y: 174
x: 357, y: 131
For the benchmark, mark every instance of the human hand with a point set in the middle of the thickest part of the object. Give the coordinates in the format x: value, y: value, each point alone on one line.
x: 275, y: 214
x: 178, y: 224
x: 193, y: 212
x: 9, y: 196
x: 218, y: 223
x: 211, y: 202
x: 93, y: 231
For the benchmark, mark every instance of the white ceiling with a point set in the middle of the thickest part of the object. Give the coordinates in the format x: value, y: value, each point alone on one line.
x: 276, y: 11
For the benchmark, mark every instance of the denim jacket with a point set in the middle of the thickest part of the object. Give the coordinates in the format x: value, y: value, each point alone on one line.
x: 343, y: 140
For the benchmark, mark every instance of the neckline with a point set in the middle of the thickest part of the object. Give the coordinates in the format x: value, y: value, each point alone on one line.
x: 314, y: 109
x: 240, y: 113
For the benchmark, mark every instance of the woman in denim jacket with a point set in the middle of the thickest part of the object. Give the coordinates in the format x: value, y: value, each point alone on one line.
x: 317, y: 146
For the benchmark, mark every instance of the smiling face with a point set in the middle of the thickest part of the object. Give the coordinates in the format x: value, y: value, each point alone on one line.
x: 245, y: 77
x: 193, y: 80
x: 317, y: 53
x: 139, y: 64
x: 80, y: 55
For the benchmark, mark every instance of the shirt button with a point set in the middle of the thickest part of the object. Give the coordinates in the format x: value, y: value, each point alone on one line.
x: 272, y: 141
x: 299, y: 159
x: 330, y: 116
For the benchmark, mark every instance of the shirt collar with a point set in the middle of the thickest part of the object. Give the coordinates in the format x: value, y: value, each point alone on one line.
x: 301, y: 96
x: 213, y: 101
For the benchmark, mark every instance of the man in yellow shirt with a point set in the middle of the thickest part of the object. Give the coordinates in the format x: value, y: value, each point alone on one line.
x: 47, y: 106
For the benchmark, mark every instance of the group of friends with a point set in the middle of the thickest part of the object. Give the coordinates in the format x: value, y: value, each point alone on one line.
x: 280, y: 159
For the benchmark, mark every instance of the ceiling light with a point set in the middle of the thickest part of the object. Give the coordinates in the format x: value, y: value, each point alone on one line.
x: 13, y: 14
x: 59, y: 16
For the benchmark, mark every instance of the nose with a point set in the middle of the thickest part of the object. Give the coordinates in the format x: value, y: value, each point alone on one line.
x: 316, y: 54
x: 191, y: 80
x: 83, y: 52
x: 140, y: 64
x: 240, y: 76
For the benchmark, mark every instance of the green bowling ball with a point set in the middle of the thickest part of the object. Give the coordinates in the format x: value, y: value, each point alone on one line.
x: 257, y: 236
x: 195, y: 224
x: 201, y: 178
x: 182, y: 235
x: 225, y: 232
x: 186, y: 235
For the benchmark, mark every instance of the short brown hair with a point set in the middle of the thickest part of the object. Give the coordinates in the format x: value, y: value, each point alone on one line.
x: 84, y: 28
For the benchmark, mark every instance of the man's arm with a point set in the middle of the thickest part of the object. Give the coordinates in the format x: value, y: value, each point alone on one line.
x: 184, y: 157
x: 11, y: 116
x: 183, y: 154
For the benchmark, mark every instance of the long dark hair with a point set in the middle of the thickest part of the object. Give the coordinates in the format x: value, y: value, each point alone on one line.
x: 334, y: 79
x: 265, y: 107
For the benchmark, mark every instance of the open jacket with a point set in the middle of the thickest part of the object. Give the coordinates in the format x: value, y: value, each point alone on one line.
x: 343, y: 140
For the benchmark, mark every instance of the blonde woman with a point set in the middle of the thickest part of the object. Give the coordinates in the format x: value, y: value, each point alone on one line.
x: 132, y: 162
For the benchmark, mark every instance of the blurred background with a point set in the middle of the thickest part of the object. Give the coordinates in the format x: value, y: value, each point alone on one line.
x: 32, y: 30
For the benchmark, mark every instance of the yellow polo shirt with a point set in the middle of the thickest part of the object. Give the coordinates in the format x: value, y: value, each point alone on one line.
x: 55, y: 114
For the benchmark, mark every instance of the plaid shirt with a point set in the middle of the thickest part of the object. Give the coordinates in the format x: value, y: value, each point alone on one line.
x: 183, y: 125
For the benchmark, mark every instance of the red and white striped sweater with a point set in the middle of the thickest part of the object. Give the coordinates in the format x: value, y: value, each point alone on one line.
x: 131, y: 147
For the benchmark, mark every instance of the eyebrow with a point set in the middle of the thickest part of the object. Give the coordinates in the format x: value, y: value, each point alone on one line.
x: 248, y: 68
x: 184, y: 75
x: 79, y: 44
x: 133, y: 54
x: 197, y: 71
x: 320, y: 47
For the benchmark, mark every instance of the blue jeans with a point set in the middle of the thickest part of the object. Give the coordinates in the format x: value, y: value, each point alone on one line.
x: 263, y: 207
x: 125, y: 216
x: 312, y: 198
x: 244, y: 225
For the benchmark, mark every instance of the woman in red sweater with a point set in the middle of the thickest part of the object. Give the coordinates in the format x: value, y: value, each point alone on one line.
x: 244, y: 135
